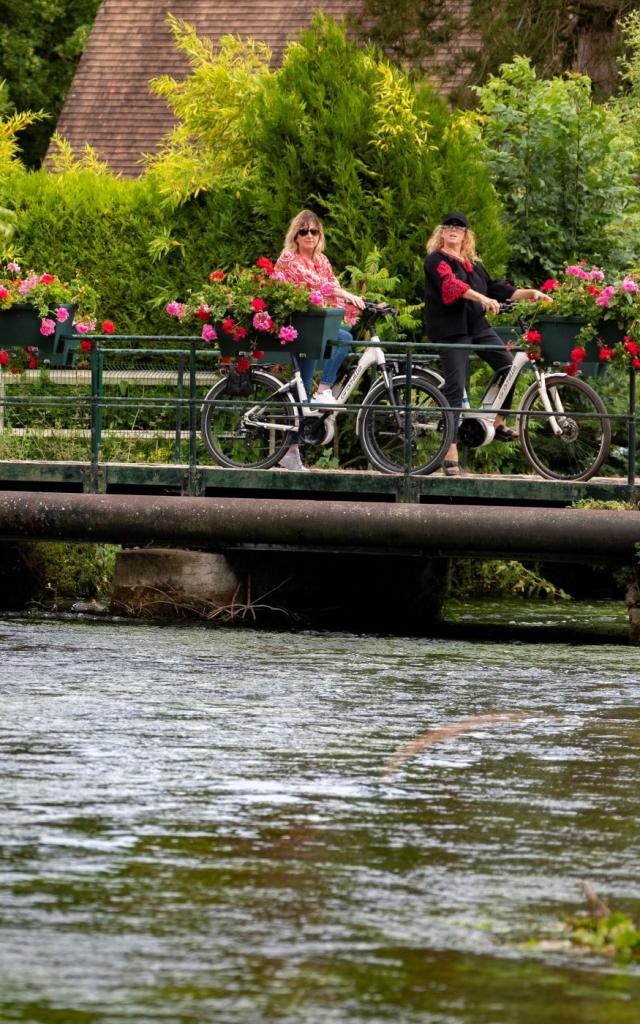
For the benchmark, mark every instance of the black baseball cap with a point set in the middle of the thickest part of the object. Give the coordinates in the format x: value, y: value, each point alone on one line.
x: 455, y: 217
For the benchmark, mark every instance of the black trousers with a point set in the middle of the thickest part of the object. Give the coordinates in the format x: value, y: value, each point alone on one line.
x: 455, y: 362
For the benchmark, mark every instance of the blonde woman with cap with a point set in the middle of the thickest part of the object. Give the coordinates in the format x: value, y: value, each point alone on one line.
x: 458, y: 293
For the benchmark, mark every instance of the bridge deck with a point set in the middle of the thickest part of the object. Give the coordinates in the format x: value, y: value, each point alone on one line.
x: 182, y: 479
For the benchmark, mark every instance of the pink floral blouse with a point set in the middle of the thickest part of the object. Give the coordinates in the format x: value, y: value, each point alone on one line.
x: 317, y: 274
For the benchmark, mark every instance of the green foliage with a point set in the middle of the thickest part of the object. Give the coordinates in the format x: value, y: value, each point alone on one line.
x: 563, y: 167
x: 616, y: 935
x: 474, y: 578
x: 59, y: 573
x: 39, y: 51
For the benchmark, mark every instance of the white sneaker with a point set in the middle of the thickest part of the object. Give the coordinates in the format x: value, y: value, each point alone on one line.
x: 324, y: 398
x: 293, y: 462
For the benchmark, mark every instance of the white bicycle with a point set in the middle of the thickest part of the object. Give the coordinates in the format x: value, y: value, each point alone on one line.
x: 402, y: 425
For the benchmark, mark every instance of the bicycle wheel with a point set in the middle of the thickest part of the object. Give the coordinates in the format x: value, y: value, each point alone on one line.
x: 582, y: 445
x: 381, y: 426
x: 233, y: 438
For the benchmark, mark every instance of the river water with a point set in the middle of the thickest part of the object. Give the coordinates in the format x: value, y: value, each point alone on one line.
x: 213, y: 825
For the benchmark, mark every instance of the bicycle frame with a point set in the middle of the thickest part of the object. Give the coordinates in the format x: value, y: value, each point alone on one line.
x: 496, y: 394
x: 372, y: 356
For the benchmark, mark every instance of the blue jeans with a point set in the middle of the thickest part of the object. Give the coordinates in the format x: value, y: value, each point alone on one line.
x: 331, y: 365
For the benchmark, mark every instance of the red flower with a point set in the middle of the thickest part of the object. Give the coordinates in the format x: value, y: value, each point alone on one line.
x: 4, y: 357
x: 47, y: 278
x: 33, y: 363
x: 636, y: 363
x: 239, y: 333
x: 591, y: 288
x: 258, y: 354
x: 571, y: 369
x: 107, y: 327
x: 265, y: 264
x: 258, y: 305
x: 533, y: 337
x: 631, y: 346
x: 225, y: 360
x: 243, y: 364
x: 202, y: 313
x: 607, y: 353
x: 577, y: 355
x: 228, y: 325
x: 85, y: 345
x: 549, y: 285
x: 217, y: 275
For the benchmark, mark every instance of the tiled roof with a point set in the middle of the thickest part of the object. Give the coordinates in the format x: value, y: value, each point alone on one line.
x: 110, y: 106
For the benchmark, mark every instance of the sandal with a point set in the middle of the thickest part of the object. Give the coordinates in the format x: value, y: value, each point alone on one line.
x: 503, y: 433
x: 451, y: 467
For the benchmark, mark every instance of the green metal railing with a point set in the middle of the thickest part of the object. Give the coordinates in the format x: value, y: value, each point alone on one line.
x: 192, y: 371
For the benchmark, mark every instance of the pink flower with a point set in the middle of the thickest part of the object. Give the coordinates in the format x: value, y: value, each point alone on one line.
x: 317, y: 298
x: 85, y: 328
x: 62, y: 314
x: 596, y: 275
x: 262, y: 321
x: 208, y: 333
x: 605, y: 295
x: 287, y: 333
x: 177, y: 309
x: 628, y: 285
x: 47, y: 326
x: 4, y: 294
x: 575, y: 271
x: 28, y: 283
x: 15, y: 268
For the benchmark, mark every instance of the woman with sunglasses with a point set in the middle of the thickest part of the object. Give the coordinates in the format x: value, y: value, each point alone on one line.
x: 303, y: 262
x: 458, y: 292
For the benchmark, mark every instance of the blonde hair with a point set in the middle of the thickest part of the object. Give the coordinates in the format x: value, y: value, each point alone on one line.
x: 304, y: 219
x: 468, y: 249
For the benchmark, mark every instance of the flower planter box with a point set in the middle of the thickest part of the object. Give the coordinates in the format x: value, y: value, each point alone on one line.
x: 315, y: 331
x: 559, y: 335
x: 20, y: 326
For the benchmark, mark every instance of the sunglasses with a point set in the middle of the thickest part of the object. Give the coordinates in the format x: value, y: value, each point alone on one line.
x: 309, y: 231
x: 455, y: 227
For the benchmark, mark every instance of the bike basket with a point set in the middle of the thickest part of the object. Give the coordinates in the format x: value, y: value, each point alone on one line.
x: 238, y: 382
x: 316, y: 329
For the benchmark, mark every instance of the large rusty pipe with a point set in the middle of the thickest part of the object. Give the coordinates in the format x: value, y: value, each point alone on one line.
x: 557, y: 533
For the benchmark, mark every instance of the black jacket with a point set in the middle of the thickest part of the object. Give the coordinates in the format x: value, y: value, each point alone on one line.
x: 445, y: 280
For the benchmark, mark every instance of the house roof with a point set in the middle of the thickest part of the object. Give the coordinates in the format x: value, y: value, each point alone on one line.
x: 110, y: 106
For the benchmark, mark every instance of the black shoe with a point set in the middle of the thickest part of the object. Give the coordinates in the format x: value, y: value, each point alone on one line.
x: 503, y: 433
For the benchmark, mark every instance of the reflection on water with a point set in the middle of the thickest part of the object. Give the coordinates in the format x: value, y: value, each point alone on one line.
x: 196, y: 826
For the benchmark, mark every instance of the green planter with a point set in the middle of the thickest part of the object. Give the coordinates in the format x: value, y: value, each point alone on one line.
x: 315, y: 331
x: 559, y: 335
x: 20, y: 326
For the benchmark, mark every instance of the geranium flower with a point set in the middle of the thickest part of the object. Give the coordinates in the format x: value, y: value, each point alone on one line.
x: 48, y: 326
x: 4, y: 357
x: 631, y: 346
x: 177, y: 309
x: 607, y: 353
x: 208, y: 333
x: 85, y: 345
x: 533, y: 337
x: 243, y: 364
x: 262, y: 321
x: 287, y: 333
x: 317, y: 298
x: 107, y: 327
x: 577, y: 354
x: 628, y: 285
x: 258, y: 305
x: 62, y: 314
x: 265, y: 264
x: 217, y: 275
x: 14, y: 267
x: 549, y: 285
x: 202, y: 312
